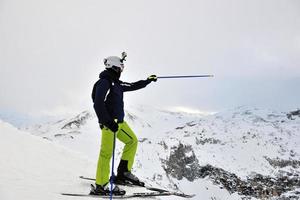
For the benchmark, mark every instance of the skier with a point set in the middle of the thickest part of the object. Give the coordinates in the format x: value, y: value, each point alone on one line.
x: 108, y: 102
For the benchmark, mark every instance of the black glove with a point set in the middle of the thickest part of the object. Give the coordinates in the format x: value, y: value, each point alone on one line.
x: 113, y: 126
x: 152, y: 78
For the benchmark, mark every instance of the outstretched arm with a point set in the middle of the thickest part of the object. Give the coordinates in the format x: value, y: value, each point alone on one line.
x: 137, y: 85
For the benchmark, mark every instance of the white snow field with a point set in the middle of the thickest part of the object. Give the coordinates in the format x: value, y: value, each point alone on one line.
x: 32, y: 168
x: 241, y: 141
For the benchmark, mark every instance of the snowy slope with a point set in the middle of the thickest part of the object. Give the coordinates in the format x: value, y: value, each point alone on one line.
x: 32, y: 168
x: 240, y: 152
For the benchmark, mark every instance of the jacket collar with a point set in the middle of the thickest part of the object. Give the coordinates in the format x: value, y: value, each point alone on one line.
x: 109, y: 74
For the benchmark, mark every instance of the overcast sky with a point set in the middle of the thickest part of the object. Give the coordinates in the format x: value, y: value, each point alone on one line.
x: 51, y: 52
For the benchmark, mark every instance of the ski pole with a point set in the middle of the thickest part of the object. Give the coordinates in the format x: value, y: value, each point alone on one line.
x: 112, y: 168
x: 193, y: 76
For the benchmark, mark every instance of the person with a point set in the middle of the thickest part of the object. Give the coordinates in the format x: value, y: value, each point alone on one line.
x: 108, y: 102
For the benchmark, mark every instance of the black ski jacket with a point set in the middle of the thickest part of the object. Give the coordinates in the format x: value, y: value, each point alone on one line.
x: 107, y: 96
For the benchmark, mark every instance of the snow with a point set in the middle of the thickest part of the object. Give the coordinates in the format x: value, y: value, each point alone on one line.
x: 238, y: 141
x: 33, y: 168
x: 243, y: 140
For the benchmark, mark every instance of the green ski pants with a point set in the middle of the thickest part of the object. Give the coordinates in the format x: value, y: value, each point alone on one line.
x: 125, y: 135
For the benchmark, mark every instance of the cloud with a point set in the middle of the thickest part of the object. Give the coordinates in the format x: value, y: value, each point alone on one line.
x: 51, y: 52
x: 190, y: 110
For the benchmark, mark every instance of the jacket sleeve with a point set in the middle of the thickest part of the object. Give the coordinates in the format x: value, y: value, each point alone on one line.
x: 100, y: 91
x: 134, y: 86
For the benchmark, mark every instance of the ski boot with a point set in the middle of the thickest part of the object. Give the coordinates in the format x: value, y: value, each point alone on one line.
x: 125, y: 177
x: 105, y: 190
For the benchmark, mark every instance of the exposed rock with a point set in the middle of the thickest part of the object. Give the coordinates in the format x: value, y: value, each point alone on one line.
x: 78, y: 121
x: 200, y: 141
x: 182, y: 163
x: 131, y: 116
x: 283, y: 163
x: 141, y: 140
x: 63, y: 135
x: 189, y: 124
x: 180, y: 127
x: 292, y: 114
x: 162, y: 143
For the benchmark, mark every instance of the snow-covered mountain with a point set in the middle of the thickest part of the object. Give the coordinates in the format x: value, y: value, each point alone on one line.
x: 241, y: 153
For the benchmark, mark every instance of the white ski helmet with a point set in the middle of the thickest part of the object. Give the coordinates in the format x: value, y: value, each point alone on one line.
x: 112, y: 62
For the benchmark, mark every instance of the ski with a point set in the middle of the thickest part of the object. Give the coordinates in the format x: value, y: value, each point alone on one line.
x: 126, y: 196
x: 130, y: 185
x: 159, y: 190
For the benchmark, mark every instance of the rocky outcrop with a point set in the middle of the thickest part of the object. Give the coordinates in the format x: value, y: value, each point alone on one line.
x: 77, y: 121
x: 293, y: 114
x: 182, y: 163
x: 281, y: 163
